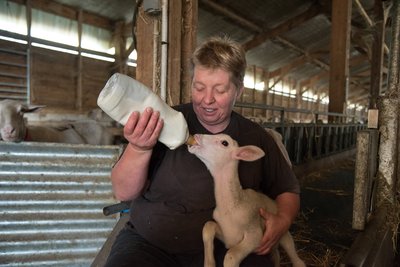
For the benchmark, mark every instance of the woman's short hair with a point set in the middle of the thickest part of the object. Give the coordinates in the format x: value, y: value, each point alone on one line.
x: 224, y: 53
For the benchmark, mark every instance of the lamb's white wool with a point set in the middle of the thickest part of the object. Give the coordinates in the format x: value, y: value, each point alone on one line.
x: 238, y: 222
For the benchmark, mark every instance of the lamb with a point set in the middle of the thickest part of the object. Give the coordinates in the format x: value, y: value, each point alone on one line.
x: 13, y: 127
x: 238, y: 222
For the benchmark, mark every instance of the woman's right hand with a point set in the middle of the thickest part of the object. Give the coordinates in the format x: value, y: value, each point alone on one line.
x: 142, y: 130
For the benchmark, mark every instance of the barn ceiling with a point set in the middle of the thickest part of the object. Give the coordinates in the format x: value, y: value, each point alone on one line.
x: 287, y: 38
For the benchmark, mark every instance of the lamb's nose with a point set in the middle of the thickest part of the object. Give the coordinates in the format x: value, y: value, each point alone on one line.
x: 8, y: 129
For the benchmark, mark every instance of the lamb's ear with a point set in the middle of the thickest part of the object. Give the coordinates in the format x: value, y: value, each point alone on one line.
x: 248, y: 153
x: 30, y: 108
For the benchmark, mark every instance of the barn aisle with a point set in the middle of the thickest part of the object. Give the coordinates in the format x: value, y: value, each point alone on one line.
x: 323, y: 232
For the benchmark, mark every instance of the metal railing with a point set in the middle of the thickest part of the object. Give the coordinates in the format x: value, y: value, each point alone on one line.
x: 310, y: 141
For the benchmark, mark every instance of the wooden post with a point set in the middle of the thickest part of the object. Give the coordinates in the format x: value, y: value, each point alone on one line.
x: 174, y: 51
x: 190, y: 17
x: 377, y: 54
x: 119, y: 41
x: 144, y: 35
x: 182, y: 41
x: 340, y: 46
x: 182, y: 18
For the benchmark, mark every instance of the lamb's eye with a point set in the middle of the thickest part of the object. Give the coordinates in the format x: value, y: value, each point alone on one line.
x: 224, y: 143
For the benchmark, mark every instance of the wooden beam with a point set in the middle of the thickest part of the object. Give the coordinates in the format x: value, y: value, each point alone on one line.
x: 313, y: 11
x: 369, y: 21
x: 340, y: 50
x: 229, y: 13
x: 252, y: 26
x: 283, y: 71
x: 310, y: 58
x: 314, y: 79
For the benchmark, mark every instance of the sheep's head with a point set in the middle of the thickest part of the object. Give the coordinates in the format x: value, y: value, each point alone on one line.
x: 12, y: 124
x: 217, y: 150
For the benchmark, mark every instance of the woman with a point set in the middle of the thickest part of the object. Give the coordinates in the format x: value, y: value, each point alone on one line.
x: 172, y: 191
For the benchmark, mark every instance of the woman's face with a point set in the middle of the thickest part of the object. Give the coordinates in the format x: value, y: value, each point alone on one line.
x: 213, y: 97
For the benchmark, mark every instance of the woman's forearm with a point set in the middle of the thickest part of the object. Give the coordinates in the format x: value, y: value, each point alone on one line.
x: 288, y: 206
x: 129, y: 175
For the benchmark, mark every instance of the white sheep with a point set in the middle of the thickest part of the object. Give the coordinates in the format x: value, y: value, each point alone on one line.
x: 13, y: 127
x: 238, y: 222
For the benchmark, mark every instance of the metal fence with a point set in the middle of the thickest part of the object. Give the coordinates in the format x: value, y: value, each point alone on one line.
x: 51, y: 201
x: 309, y: 141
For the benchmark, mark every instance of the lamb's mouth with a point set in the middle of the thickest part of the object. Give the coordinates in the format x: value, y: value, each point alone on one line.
x: 192, y: 140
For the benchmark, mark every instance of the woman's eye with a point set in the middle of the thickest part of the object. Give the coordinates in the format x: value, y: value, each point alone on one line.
x: 225, y: 143
x: 220, y: 90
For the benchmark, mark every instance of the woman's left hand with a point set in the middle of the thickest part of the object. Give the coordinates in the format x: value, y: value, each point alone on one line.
x: 275, y: 227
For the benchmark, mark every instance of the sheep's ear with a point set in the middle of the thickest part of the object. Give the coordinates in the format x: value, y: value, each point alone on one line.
x: 248, y: 153
x: 30, y: 108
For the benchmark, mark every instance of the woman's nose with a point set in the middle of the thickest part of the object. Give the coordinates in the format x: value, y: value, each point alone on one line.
x: 209, y: 97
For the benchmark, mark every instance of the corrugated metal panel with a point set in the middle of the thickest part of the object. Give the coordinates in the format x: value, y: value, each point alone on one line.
x: 51, y: 201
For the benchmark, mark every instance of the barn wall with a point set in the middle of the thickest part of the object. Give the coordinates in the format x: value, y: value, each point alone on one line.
x: 53, y: 77
x: 13, y: 71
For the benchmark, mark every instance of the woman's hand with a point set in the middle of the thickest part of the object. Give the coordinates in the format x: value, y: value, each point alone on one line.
x: 275, y: 227
x: 142, y: 130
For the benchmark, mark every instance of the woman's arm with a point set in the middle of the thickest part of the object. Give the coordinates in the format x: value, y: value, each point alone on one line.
x: 129, y: 175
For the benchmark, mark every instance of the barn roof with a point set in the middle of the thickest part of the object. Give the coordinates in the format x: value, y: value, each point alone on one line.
x: 286, y: 38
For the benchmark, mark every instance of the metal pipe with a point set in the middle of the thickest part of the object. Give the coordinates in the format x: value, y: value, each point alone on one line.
x: 164, y: 49
x: 156, y: 38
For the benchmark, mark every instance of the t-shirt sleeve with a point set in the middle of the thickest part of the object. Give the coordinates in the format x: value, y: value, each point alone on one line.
x: 156, y: 158
x: 279, y: 176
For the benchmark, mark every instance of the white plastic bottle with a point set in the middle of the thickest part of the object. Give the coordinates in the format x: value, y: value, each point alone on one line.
x: 122, y: 95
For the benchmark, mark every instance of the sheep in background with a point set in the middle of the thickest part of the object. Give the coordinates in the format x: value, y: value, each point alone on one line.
x: 13, y: 127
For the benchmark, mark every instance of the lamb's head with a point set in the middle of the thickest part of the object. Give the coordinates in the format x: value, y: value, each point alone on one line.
x: 12, y: 124
x: 217, y: 150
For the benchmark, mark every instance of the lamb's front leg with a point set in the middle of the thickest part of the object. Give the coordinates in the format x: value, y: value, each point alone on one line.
x: 210, y: 230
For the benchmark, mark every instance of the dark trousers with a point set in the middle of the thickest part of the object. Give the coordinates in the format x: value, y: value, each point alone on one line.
x: 130, y: 249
